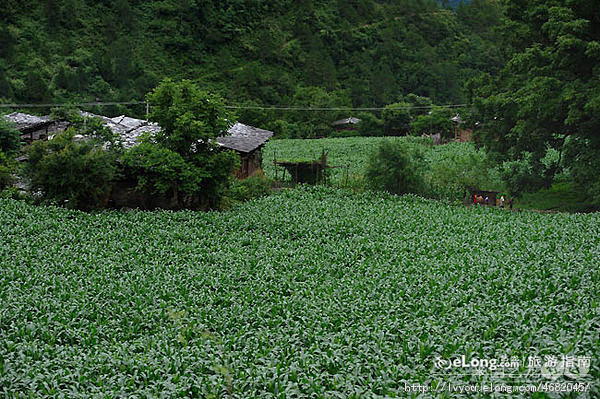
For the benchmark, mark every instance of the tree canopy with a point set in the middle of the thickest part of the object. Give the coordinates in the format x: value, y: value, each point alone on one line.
x: 546, y: 97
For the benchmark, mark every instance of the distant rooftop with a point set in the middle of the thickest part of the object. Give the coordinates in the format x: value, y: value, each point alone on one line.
x: 242, y: 138
x: 25, y: 122
x: 347, y: 121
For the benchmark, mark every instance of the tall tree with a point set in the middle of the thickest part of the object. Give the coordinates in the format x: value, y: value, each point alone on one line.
x: 548, y: 95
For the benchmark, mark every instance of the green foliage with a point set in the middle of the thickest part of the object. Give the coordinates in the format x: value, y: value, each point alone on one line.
x: 435, y: 121
x: 520, y: 177
x: 370, y: 125
x: 10, y: 139
x: 396, y: 119
x: 560, y: 197
x: 184, y: 156
x: 548, y: 91
x: 394, y: 169
x: 458, y: 170
x: 70, y: 172
x: 7, y: 168
x: 313, y: 124
x: 190, y: 119
x: 299, y: 290
x: 267, y: 53
x: 159, y: 170
x: 255, y: 186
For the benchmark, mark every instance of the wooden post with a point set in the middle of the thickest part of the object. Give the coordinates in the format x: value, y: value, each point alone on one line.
x: 275, y: 165
x: 347, y: 171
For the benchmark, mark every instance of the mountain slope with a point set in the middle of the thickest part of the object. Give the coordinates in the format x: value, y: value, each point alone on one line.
x: 359, y: 52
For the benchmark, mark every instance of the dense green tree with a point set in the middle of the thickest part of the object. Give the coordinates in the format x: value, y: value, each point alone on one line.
x: 10, y: 140
x: 548, y: 92
x: 437, y: 120
x: 72, y: 172
x: 396, y: 118
x: 191, y: 120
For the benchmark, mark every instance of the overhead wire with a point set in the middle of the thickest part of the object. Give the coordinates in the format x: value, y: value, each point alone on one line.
x: 252, y: 107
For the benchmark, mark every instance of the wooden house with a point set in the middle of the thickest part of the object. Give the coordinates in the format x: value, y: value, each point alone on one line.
x: 33, y: 127
x: 248, y: 142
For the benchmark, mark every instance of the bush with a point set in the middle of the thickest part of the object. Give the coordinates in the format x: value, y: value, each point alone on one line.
x: 10, y: 139
x: 520, y: 177
x: 436, y: 121
x: 76, y: 174
x: 370, y: 125
x: 393, y: 169
x: 158, y: 170
x: 6, y: 171
x: 396, y: 118
x: 255, y: 186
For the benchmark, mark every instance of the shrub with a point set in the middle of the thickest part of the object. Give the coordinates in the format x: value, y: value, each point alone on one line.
x: 10, y: 139
x: 520, y: 177
x: 255, y: 186
x: 158, y: 170
x: 6, y: 171
x: 396, y: 118
x: 436, y: 121
x: 69, y: 172
x: 393, y: 169
x: 370, y: 125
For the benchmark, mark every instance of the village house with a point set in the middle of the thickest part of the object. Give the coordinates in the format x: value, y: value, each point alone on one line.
x: 247, y: 141
x: 33, y: 127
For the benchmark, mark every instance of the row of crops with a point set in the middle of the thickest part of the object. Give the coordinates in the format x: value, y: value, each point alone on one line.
x: 447, y: 169
x: 313, y: 292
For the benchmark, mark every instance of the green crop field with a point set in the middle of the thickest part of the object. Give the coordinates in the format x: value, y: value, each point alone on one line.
x: 313, y: 292
x: 355, y: 152
x: 352, y: 151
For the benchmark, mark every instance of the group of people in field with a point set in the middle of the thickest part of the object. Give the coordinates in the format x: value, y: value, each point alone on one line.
x: 481, y: 200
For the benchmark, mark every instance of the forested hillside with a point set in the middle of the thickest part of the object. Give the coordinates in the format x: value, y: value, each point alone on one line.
x: 327, y: 52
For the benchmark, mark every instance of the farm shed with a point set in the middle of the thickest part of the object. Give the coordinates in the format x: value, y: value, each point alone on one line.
x: 33, y: 127
x: 248, y: 142
x: 346, y: 124
x: 461, y: 134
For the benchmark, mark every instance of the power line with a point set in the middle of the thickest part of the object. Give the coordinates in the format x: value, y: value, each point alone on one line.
x: 284, y: 108
x: 252, y: 107
x: 90, y: 104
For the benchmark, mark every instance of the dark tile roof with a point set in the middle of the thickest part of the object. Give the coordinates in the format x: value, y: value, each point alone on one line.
x: 244, y: 138
x: 26, y: 123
